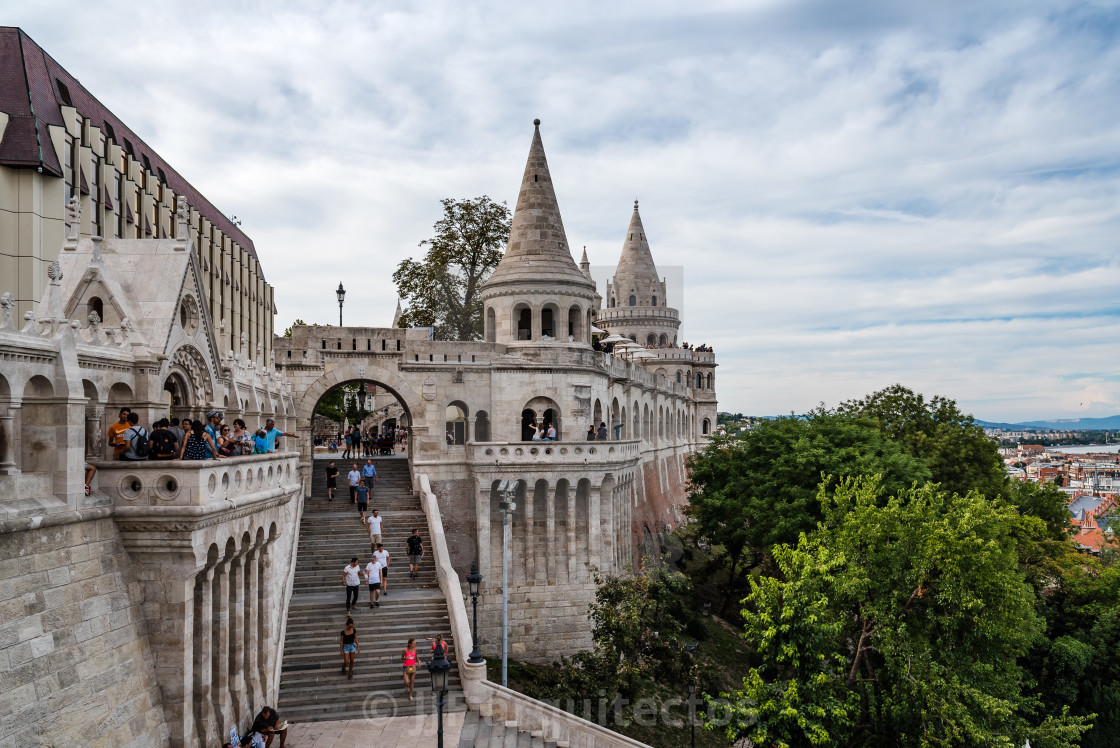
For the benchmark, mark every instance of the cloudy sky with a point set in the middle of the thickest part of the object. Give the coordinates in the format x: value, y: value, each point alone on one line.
x: 859, y: 193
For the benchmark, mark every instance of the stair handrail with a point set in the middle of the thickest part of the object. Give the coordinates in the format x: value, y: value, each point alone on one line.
x: 471, y: 675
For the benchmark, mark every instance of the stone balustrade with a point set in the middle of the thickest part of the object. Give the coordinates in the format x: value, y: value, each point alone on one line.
x: 197, y: 483
x: 616, y: 313
x: 683, y: 354
x: 552, y: 455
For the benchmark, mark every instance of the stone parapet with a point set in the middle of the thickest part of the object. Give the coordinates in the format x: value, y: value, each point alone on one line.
x: 617, y: 314
x: 197, y: 483
x: 554, y: 455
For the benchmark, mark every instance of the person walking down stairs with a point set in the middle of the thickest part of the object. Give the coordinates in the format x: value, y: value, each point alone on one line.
x: 352, y: 580
x: 348, y: 647
x: 408, y: 657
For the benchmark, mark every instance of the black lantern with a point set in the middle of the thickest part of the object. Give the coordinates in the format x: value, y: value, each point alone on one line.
x: 474, y: 583
x: 439, y: 667
x: 341, y: 294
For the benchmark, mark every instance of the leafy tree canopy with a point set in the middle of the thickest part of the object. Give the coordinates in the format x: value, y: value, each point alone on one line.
x: 960, y: 456
x: 897, y: 623
x: 444, y: 288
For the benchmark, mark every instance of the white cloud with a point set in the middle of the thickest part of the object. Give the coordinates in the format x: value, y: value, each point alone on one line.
x: 860, y: 193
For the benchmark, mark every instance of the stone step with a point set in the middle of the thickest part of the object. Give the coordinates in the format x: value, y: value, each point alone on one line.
x: 331, y: 532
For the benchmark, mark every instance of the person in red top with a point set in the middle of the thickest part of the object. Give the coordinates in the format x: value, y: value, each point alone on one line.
x: 408, y: 657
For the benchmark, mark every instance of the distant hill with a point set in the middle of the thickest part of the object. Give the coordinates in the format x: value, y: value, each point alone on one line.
x: 1059, y: 424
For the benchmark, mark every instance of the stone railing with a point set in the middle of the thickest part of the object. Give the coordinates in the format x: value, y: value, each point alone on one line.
x: 490, y: 699
x: 552, y: 724
x: 471, y: 675
x: 683, y: 354
x: 554, y: 454
x: 196, y: 483
x: 614, y: 313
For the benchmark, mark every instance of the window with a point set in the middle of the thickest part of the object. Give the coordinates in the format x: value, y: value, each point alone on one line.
x: 68, y: 169
x: 633, y: 300
x: 651, y: 339
x: 524, y: 323
x: 95, y: 192
x: 707, y: 426
x: 455, y: 427
x: 612, y: 301
x: 699, y: 381
x: 678, y: 377
x: 117, y: 197
x: 653, y: 301
x: 96, y: 305
x: 64, y: 93
x: 548, y: 327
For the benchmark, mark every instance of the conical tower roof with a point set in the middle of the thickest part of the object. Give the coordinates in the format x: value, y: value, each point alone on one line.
x: 538, y: 248
x: 636, y: 263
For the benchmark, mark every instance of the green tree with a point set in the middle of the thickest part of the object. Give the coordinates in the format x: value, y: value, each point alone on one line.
x: 444, y: 288
x: 288, y: 330
x: 897, y: 623
x: 960, y: 455
x: 751, y: 491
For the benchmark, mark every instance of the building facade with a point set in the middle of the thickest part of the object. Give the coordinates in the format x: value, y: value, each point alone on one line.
x: 59, y: 144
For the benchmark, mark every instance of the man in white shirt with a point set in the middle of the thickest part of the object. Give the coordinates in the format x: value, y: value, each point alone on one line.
x: 374, y: 522
x: 351, y: 578
x: 354, y: 477
x: 382, y: 555
x: 373, y: 578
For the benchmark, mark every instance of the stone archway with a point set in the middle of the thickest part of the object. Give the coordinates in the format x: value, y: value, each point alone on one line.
x: 415, y: 407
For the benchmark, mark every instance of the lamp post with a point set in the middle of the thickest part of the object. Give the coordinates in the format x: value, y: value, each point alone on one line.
x: 508, y: 490
x: 341, y: 294
x: 474, y: 582
x: 439, y: 667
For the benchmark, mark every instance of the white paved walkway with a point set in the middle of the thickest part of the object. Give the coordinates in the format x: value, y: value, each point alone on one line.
x: 403, y: 732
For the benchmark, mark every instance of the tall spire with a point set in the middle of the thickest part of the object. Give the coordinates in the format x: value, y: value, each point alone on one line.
x: 636, y: 262
x: 397, y: 315
x: 537, y: 248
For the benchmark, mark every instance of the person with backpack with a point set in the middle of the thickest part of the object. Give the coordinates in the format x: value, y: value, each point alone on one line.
x: 163, y: 444
x: 137, y: 438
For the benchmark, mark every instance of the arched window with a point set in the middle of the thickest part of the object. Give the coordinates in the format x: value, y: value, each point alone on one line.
x: 678, y: 377
x: 482, y: 426
x: 548, y: 324
x: 612, y: 301
x: 706, y: 427
x: 662, y: 339
x: 573, y: 324
x: 709, y: 381
x: 699, y: 381
x: 633, y: 300
x: 528, y: 424
x: 633, y: 337
x: 651, y: 339
x: 653, y: 301
x: 455, y: 428
x: 524, y: 317
x: 491, y: 324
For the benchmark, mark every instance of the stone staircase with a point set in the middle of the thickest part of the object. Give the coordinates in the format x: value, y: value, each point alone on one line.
x: 486, y: 732
x: 311, y: 685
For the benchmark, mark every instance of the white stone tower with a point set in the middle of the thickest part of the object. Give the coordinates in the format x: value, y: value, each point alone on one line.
x: 635, y: 300
x: 537, y: 295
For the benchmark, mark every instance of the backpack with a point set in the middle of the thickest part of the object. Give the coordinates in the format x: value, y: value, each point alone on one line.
x: 164, y: 444
x: 139, y: 443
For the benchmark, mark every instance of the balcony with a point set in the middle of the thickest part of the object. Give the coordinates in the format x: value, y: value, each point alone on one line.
x: 198, y: 483
x: 555, y: 455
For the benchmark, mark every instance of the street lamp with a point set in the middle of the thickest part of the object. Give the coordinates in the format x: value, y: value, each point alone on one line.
x: 474, y: 582
x: 439, y: 667
x: 341, y: 294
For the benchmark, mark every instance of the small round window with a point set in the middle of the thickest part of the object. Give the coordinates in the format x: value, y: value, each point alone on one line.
x: 188, y: 314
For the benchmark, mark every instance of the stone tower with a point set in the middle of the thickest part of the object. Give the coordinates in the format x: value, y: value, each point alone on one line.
x: 537, y: 295
x: 635, y: 299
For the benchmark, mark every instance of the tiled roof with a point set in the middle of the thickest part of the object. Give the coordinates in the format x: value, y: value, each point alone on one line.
x: 30, y: 96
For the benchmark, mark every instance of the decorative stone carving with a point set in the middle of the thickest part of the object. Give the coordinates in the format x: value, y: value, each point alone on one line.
x: 7, y: 304
x: 54, y: 272
x: 73, y: 222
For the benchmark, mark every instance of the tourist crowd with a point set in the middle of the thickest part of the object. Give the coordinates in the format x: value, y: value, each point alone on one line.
x: 172, y: 439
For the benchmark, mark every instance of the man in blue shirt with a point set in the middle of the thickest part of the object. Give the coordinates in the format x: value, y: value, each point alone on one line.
x: 270, y: 434
x: 369, y: 474
x: 214, y: 425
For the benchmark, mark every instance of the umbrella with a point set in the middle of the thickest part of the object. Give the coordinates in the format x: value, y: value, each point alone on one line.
x: 613, y: 338
x: 596, y: 331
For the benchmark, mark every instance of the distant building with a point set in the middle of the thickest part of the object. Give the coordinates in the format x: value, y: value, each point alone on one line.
x: 58, y: 143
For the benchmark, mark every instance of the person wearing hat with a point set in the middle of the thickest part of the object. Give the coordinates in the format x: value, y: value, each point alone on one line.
x: 214, y: 424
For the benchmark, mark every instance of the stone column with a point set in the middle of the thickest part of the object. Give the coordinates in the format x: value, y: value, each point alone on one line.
x: 482, y: 525
x: 8, y: 444
x: 252, y: 643
x: 93, y: 432
x: 266, y: 626
x: 594, y: 530
x: 206, y: 722
x: 551, y: 572
x: 237, y: 638
x: 222, y: 699
x: 530, y: 558
x: 570, y: 531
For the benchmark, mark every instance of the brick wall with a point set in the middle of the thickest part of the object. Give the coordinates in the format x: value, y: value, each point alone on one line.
x: 75, y: 667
